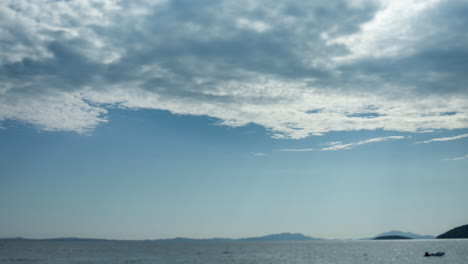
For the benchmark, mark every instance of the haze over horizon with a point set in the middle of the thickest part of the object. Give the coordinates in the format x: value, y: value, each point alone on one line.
x: 172, y: 118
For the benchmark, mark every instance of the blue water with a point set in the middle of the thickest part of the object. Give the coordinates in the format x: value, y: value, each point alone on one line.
x: 324, y: 252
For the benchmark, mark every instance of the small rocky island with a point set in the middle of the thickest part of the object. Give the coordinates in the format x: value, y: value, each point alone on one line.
x: 458, y: 232
x: 391, y: 238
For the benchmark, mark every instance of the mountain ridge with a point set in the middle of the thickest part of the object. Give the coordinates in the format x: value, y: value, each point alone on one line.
x: 282, y: 237
x: 459, y: 232
x: 405, y: 234
x: 270, y: 237
x: 391, y: 238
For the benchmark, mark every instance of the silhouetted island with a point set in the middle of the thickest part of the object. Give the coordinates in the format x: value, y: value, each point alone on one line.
x: 405, y: 234
x: 391, y: 238
x: 61, y: 239
x: 282, y: 237
x: 458, y: 232
x: 272, y: 237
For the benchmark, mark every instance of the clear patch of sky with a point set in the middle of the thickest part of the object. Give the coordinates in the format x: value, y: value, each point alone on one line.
x: 152, y: 174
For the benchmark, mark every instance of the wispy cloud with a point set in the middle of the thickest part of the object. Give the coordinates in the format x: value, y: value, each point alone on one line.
x: 339, y: 146
x: 258, y: 153
x: 445, y: 138
x: 298, y: 150
x: 458, y: 158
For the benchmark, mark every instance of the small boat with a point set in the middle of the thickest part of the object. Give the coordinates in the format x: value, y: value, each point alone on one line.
x: 437, y: 254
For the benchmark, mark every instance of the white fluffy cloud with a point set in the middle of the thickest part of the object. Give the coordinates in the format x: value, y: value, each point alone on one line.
x: 296, y: 68
x: 394, y: 31
x: 54, y: 112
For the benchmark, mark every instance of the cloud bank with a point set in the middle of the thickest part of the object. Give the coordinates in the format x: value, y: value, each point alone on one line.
x: 294, y: 67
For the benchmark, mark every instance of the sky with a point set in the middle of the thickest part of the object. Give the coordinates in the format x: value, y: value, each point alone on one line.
x: 157, y: 119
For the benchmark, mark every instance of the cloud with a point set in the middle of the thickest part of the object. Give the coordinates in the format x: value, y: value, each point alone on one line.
x: 459, y: 158
x: 296, y: 68
x: 339, y: 146
x: 299, y: 150
x: 258, y: 153
x: 351, y: 145
x: 384, y: 36
x: 445, y: 138
x: 54, y: 112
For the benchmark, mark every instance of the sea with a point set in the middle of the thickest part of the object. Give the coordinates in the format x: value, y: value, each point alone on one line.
x: 233, y: 252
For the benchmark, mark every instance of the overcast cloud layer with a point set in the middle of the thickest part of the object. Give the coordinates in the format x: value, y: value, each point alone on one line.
x: 298, y: 68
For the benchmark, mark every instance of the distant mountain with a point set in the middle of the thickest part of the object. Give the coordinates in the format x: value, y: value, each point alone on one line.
x: 282, y: 237
x: 194, y: 239
x: 53, y: 239
x: 273, y: 237
x: 405, y: 234
x: 74, y: 239
x: 458, y: 232
x: 13, y: 239
x: 391, y: 238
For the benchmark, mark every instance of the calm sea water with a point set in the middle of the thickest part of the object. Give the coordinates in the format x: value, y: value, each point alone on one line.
x: 323, y: 252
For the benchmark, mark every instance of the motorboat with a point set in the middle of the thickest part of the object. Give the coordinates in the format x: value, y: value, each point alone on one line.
x: 436, y: 254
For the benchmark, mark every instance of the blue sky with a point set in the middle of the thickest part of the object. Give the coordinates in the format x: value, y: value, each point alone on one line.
x: 156, y: 119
